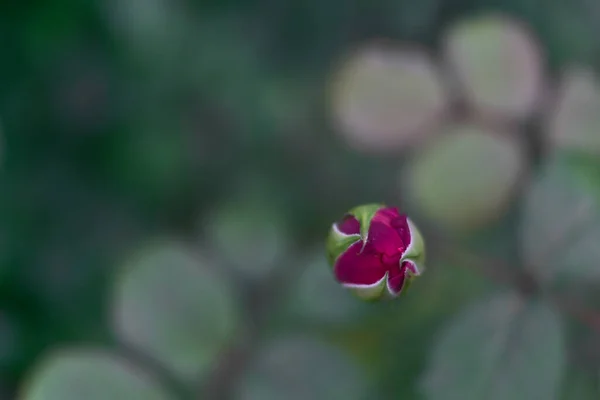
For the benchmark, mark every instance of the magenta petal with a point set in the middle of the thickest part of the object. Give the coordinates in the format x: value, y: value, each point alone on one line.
x: 385, y: 239
x: 398, y: 276
x: 400, y: 224
x: 356, y: 267
x: 396, y: 280
x: 349, y: 225
x: 389, y: 232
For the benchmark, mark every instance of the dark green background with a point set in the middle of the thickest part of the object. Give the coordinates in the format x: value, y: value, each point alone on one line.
x: 111, y: 139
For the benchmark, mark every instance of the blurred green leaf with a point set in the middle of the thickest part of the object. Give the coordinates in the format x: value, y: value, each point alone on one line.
x: 251, y: 238
x: 499, y: 64
x: 299, y: 368
x: 250, y: 231
x: 91, y: 374
x: 169, y: 304
x: 575, y: 120
x: 502, y: 348
x: 318, y: 298
x: 384, y: 97
x: 441, y: 182
x: 444, y: 290
x: 561, y: 224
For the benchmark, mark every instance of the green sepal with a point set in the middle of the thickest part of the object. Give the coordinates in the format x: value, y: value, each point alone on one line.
x: 337, y: 243
x: 409, y: 280
x: 364, y: 214
x: 373, y: 293
x: 416, y: 250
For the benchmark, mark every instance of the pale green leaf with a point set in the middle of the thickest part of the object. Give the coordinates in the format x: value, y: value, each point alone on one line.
x: 249, y: 234
x: 442, y: 184
x: 499, y: 64
x: 318, y: 297
x: 171, y: 305
x: 90, y: 374
x: 575, y: 121
x: 560, y: 228
x: 385, y: 97
x: 502, y: 348
x: 301, y: 368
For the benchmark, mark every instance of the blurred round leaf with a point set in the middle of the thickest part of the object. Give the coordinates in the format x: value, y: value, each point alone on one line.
x: 575, y: 123
x: 503, y: 348
x: 560, y: 228
x: 90, y: 374
x: 250, y: 233
x: 498, y: 63
x: 317, y: 296
x: 466, y: 177
x: 442, y: 292
x: 171, y: 306
x: 302, y: 368
x: 384, y: 98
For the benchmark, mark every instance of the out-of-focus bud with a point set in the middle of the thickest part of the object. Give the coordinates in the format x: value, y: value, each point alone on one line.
x: 375, y: 251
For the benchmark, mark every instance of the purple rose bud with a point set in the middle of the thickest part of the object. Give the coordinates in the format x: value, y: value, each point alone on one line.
x: 375, y: 251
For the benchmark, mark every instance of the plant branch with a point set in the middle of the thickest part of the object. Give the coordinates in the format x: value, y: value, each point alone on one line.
x: 502, y: 272
x: 267, y: 296
x: 262, y: 300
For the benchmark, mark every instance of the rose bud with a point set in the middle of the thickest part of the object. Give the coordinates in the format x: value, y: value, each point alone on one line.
x: 375, y: 251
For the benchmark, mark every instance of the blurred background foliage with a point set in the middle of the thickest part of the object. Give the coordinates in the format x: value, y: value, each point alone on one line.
x: 170, y: 169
